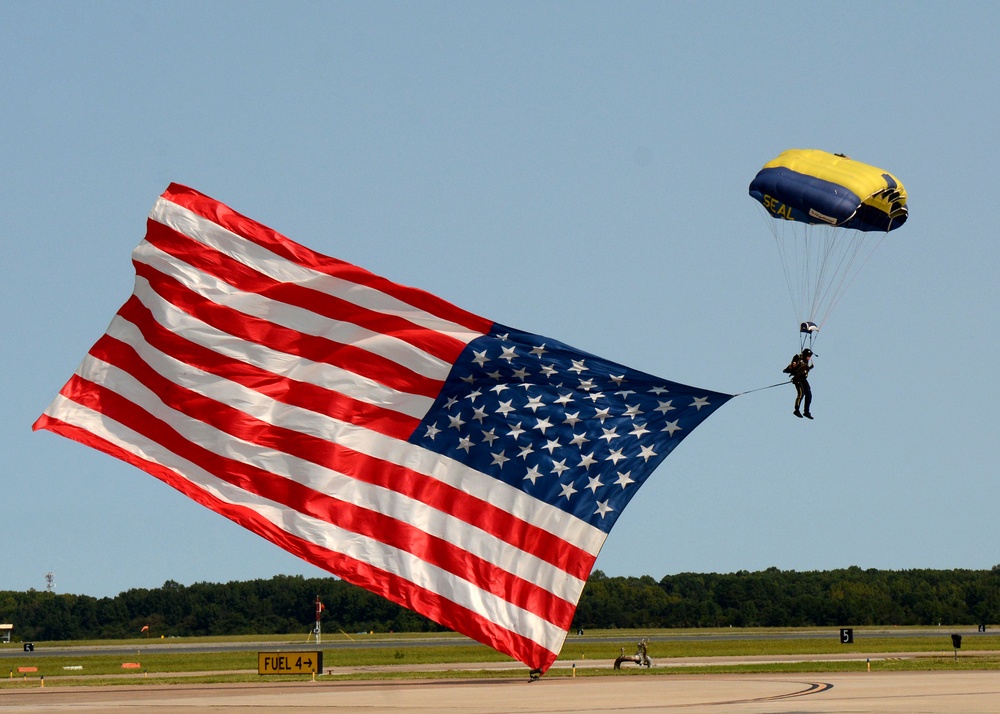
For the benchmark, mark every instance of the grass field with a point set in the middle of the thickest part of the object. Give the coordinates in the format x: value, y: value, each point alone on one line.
x: 89, y: 663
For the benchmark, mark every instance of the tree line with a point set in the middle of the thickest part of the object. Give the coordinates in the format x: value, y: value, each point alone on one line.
x: 286, y: 604
x: 776, y: 598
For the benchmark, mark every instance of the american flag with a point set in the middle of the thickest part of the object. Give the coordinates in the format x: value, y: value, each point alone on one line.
x: 460, y: 468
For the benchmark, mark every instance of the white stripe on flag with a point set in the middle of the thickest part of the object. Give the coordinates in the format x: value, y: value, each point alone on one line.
x: 262, y: 260
x: 326, y: 481
x: 364, y: 441
x: 295, y: 318
x: 321, y: 533
x: 327, y: 376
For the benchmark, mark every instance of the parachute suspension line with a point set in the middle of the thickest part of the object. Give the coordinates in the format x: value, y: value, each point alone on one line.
x: 827, y: 247
x: 792, y: 257
x: 801, y: 267
x: 802, y: 250
x: 842, y: 270
x: 811, y: 247
x: 830, y: 267
x: 805, y: 269
x: 847, y: 280
x: 794, y: 260
x: 838, y: 255
x: 845, y: 268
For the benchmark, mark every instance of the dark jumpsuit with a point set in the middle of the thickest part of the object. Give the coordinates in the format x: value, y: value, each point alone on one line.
x: 799, y: 370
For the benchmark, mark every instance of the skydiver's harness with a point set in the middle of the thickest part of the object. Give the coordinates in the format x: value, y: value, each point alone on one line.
x: 789, y: 369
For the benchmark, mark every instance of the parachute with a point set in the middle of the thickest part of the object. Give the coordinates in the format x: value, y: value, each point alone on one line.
x: 827, y: 213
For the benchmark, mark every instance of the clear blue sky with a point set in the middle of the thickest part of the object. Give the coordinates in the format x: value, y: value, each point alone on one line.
x: 573, y: 169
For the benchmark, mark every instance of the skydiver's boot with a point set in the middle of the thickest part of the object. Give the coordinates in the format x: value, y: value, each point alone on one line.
x: 799, y: 414
x: 807, y: 415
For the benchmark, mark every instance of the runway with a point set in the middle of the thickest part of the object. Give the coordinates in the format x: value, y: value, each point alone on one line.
x: 969, y: 692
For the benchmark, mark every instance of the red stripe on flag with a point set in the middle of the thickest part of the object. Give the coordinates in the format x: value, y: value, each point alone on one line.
x: 280, y: 245
x: 318, y: 349
x: 388, y: 585
x: 281, y: 389
x: 355, y: 519
x: 440, y: 496
x: 241, y: 276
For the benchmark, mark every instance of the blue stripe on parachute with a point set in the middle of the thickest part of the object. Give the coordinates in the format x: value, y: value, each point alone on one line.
x: 802, y: 193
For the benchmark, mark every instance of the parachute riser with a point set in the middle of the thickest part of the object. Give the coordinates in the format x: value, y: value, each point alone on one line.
x: 808, y: 333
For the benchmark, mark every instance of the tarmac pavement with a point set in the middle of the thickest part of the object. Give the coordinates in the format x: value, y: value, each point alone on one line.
x: 862, y: 692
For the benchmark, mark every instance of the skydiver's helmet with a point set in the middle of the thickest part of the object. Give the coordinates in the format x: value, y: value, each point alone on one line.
x: 807, y: 353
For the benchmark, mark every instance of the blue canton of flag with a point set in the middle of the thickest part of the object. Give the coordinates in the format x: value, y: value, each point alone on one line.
x: 569, y: 428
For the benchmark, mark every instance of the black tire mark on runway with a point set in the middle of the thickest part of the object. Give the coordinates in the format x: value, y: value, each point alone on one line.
x: 810, y: 689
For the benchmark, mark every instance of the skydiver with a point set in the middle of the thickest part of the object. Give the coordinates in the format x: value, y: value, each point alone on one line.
x: 799, y: 368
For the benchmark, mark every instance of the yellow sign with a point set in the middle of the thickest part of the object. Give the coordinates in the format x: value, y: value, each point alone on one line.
x: 289, y: 662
